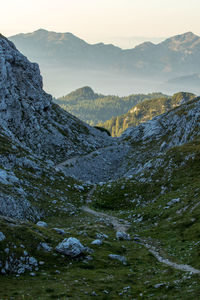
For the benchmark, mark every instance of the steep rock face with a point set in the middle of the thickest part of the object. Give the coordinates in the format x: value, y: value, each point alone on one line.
x: 34, y: 134
x: 28, y: 114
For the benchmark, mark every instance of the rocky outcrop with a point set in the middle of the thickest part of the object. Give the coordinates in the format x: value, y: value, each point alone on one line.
x: 28, y: 115
x: 34, y: 134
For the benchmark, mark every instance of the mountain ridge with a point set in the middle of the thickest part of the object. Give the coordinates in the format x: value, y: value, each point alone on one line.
x: 183, y: 37
x: 66, y: 59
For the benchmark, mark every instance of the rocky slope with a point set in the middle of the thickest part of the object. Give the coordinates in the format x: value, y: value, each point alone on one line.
x: 140, y: 147
x: 29, y: 115
x: 33, y: 130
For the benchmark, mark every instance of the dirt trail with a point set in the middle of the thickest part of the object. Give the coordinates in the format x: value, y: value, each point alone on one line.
x: 115, y: 222
x: 122, y: 225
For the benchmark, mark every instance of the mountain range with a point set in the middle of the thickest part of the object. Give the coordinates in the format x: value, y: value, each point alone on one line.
x: 68, y: 62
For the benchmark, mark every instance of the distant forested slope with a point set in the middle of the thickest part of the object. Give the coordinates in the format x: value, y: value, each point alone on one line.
x: 94, y: 108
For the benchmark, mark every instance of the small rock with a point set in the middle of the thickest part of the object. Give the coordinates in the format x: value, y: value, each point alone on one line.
x: 2, y: 236
x: 173, y: 201
x: 59, y: 230
x: 33, y: 261
x: 97, y: 242
x: 118, y: 257
x: 44, y: 246
x: 157, y: 286
x: 3, y: 271
x: 101, y: 236
x: 41, y: 224
x: 21, y: 270
x: 120, y: 235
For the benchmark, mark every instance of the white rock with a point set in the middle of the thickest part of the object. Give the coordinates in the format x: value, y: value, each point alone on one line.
x: 97, y: 242
x: 41, y: 224
x: 71, y: 247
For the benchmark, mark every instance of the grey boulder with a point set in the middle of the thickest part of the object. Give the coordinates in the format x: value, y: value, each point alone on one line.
x: 120, y: 235
x: 71, y: 247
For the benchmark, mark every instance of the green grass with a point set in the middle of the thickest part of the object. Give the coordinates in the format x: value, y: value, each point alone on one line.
x: 109, y: 279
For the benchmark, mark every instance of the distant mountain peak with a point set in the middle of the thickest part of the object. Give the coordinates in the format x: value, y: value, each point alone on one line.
x: 189, y: 34
x: 145, y: 45
x: 181, y: 41
x: 41, y: 30
x: 43, y: 34
x: 83, y: 93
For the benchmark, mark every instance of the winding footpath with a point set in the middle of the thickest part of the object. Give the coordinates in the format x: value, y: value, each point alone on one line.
x: 123, y: 226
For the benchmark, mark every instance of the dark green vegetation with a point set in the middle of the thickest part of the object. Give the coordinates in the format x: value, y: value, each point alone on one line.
x: 94, y: 108
x: 79, y: 279
x: 83, y: 278
x: 145, y: 111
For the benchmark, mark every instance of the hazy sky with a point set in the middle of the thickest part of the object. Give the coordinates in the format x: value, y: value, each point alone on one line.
x: 101, y: 20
